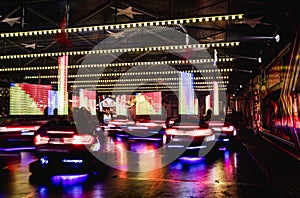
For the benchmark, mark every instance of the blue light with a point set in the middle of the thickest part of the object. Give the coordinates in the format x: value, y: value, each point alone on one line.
x: 119, y: 139
x: 79, y: 161
x: 226, y: 155
x: 225, y: 140
x: 27, y: 133
x: 145, y: 138
x: 43, y: 191
x: 44, y: 160
x: 69, y: 180
x: 222, y: 149
x: 191, y: 159
x: 17, y: 149
x: 122, y: 135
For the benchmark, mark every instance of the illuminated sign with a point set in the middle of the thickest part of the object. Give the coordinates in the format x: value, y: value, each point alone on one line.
x: 62, y: 85
x: 186, y: 93
x: 28, y: 99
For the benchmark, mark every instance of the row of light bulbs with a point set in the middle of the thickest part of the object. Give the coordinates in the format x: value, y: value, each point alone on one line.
x: 129, y: 64
x: 153, y: 89
x: 125, y: 25
x: 134, y: 73
x: 139, y: 80
x: 121, y: 50
x: 131, y: 84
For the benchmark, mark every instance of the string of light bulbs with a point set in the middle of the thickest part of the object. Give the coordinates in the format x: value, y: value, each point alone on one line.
x: 133, y: 73
x: 128, y: 64
x: 120, y: 50
x: 131, y: 84
x: 125, y: 25
x: 154, y: 89
x: 140, y: 80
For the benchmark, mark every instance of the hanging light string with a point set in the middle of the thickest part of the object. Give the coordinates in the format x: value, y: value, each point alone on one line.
x: 134, y: 73
x: 121, y: 50
x: 140, y: 80
x: 141, y: 89
x: 126, y: 25
x: 135, y: 84
x: 124, y: 64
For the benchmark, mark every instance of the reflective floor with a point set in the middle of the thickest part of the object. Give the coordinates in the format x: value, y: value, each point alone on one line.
x: 223, y: 173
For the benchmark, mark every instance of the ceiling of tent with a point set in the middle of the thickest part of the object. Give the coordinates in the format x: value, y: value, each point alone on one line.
x: 23, y: 24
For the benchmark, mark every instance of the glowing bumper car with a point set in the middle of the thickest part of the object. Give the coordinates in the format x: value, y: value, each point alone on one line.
x: 59, y: 147
x: 187, y: 133
x: 143, y: 128
x: 19, y: 133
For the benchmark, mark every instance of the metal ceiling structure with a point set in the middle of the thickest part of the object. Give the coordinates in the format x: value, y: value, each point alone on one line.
x: 31, y: 27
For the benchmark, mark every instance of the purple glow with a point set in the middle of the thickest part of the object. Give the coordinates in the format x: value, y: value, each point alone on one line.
x: 119, y: 139
x: 145, y: 138
x: 69, y: 179
x: 121, y: 135
x: 222, y: 149
x: 17, y: 149
x: 191, y: 159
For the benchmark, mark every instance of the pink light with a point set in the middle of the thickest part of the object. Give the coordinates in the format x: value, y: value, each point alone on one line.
x: 60, y: 132
x: 216, y: 124
x: 18, y: 128
x: 202, y: 132
x: 171, y: 131
x: 227, y: 128
x: 41, y: 140
x: 79, y: 139
x: 150, y: 124
x: 186, y: 127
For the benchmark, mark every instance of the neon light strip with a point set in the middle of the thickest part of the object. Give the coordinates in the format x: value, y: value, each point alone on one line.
x: 145, y: 138
x: 127, y: 25
x: 27, y: 133
x: 12, y: 129
x: 191, y: 158
x: 216, y: 108
x: 60, y: 132
x: 195, y: 147
x: 17, y: 149
x: 175, y: 146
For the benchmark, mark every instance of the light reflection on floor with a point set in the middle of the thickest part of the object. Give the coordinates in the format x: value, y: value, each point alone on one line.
x: 186, y: 176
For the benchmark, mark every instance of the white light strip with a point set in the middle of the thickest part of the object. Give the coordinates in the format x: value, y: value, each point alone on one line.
x: 124, y: 50
x: 126, y: 25
x: 135, y: 73
x: 127, y: 64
